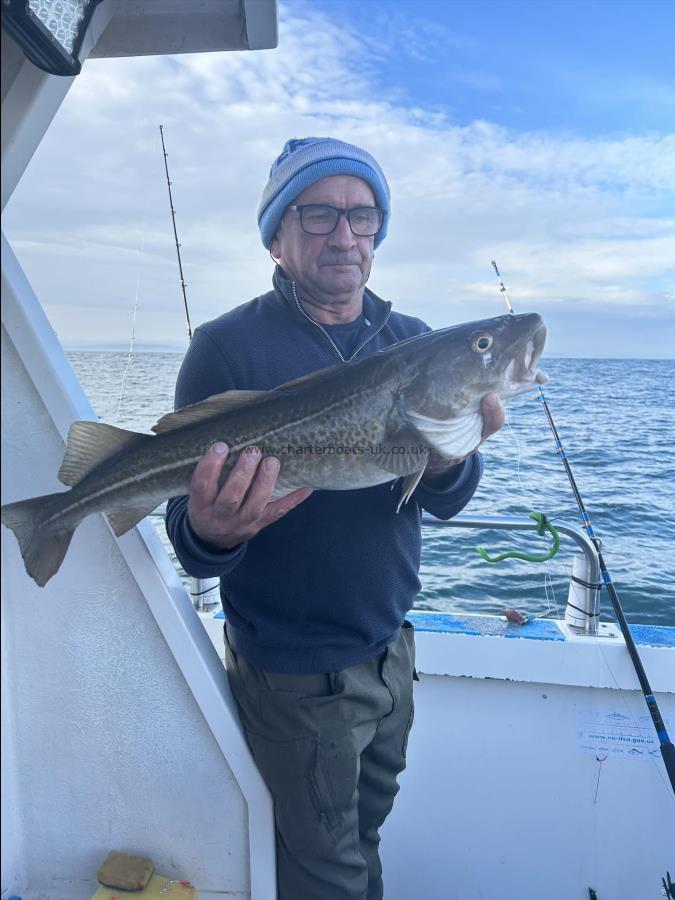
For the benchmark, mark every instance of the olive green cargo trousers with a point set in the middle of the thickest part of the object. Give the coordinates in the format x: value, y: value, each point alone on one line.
x: 329, y: 747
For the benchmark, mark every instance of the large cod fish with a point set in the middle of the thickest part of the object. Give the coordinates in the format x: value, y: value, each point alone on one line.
x: 353, y: 425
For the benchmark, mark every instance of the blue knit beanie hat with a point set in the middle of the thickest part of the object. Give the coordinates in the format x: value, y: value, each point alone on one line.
x: 306, y: 160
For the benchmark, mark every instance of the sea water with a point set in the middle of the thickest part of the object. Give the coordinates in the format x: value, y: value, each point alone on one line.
x: 615, y: 418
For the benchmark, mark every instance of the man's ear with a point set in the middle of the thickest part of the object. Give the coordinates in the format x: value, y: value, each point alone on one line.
x: 275, y: 248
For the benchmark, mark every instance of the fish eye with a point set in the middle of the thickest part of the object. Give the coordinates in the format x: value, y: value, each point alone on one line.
x: 481, y: 343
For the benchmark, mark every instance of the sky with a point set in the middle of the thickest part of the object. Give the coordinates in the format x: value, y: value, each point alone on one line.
x: 539, y: 134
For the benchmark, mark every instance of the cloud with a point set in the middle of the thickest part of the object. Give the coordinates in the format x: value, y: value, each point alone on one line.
x: 583, y: 221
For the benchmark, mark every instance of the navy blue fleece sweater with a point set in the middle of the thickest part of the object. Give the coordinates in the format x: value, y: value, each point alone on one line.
x: 328, y: 585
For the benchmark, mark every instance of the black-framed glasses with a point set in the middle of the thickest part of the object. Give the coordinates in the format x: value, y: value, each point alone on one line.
x: 320, y: 218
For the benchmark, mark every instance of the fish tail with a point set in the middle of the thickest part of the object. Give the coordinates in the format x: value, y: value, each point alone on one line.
x: 43, y: 547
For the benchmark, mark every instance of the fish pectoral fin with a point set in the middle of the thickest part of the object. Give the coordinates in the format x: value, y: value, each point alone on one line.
x: 206, y: 409
x: 409, y: 484
x: 402, y: 450
x: 124, y: 519
x: 90, y: 444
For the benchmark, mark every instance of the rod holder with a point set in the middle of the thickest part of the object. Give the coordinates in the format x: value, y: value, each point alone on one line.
x: 204, y: 592
x: 582, y: 597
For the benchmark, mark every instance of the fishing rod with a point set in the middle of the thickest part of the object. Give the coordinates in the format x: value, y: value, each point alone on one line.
x: 666, y: 745
x: 175, y: 234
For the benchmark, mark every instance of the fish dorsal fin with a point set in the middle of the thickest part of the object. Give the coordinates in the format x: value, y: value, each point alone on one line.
x: 90, y: 444
x: 303, y: 379
x: 212, y: 406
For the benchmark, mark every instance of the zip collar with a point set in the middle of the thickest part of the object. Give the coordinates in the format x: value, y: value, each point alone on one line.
x: 376, y: 310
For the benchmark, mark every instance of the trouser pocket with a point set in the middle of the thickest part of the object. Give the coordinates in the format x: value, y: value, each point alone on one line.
x: 313, y: 784
x: 406, y: 733
x: 408, y: 631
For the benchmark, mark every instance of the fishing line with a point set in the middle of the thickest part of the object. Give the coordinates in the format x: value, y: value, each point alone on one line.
x: 132, y: 337
x: 548, y: 581
x: 665, y: 744
x: 600, y: 759
x: 514, y: 438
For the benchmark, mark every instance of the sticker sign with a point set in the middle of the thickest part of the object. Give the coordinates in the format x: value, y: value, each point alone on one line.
x: 605, y: 731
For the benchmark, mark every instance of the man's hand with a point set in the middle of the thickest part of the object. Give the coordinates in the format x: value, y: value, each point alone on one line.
x: 494, y: 417
x: 229, y: 515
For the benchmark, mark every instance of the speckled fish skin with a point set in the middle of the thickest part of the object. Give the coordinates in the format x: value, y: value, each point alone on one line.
x: 354, y: 425
x: 363, y: 423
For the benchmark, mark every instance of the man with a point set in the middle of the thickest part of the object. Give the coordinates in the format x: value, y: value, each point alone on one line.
x: 315, y: 588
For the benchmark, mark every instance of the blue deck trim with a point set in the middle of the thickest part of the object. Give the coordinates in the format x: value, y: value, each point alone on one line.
x: 536, y: 630
x: 653, y: 635
x: 453, y: 623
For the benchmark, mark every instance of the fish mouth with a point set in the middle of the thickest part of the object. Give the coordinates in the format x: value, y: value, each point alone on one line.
x: 522, y: 373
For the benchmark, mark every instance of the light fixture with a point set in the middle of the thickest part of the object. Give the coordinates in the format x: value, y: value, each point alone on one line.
x: 50, y: 32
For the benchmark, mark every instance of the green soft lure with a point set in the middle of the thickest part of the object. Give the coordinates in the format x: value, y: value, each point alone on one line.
x: 542, y: 525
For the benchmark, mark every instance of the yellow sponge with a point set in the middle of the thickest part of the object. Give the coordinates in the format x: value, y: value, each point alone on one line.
x: 158, y: 888
x: 125, y: 871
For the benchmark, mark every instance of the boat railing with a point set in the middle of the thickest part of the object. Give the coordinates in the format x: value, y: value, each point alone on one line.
x: 582, y: 611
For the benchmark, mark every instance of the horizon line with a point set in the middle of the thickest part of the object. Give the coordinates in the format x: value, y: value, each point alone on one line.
x: 177, y: 347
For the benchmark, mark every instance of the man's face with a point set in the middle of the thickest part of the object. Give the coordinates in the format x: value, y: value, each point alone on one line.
x: 331, y: 266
